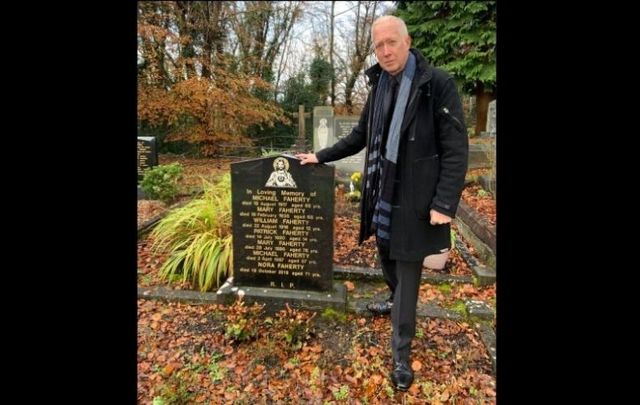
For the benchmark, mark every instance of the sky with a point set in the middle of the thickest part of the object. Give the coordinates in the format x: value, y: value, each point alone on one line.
x: 314, y: 26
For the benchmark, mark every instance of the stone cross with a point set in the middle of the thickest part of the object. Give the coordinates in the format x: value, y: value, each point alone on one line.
x: 301, y: 142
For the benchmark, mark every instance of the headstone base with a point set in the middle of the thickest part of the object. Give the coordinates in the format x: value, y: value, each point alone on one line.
x: 276, y: 298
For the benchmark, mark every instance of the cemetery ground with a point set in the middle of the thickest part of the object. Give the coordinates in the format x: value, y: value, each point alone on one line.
x: 209, y: 353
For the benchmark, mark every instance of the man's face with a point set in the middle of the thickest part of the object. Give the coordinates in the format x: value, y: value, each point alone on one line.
x: 391, y: 48
x: 280, y: 164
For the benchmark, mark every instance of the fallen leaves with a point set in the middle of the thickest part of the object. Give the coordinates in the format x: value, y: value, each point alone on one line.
x: 206, y: 368
x: 346, y: 251
x: 481, y: 201
x: 183, y: 348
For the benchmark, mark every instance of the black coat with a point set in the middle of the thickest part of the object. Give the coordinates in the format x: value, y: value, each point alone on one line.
x: 432, y: 161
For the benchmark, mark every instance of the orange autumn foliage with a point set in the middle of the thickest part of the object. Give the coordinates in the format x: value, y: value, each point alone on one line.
x: 209, y: 112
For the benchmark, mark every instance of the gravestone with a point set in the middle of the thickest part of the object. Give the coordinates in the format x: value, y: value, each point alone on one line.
x: 147, y: 154
x: 350, y: 164
x: 282, y: 220
x: 488, y: 182
x: 491, y: 119
x: 481, y: 155
x: 323, y: 135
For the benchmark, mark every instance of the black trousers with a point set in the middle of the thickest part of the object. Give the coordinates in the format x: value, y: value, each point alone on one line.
x: 403, y: 279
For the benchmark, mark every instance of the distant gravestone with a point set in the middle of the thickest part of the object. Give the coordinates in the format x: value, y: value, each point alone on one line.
x: 147, y: 154
x: 488, y: 181
x: 350, y: 164
x: 282, y: 215
x: 491, y: 119
x: 323, y: 135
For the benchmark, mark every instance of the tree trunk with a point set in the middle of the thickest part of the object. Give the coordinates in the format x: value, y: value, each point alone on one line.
x: 482, y: 106
x: 333, y: 80
x: 348, y: 89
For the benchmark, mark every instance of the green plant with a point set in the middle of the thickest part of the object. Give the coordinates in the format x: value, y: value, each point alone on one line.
x: 198, y: 238
x: 161, y: 182
x: 239, y: 331
x: 332, y: 314
x: 174, y: 391
x: 294, y: 327
x: 242, y: 321
x: 445, y: 288
x: 216, y: 372
x: 459, y: 307
x: 389, y: 391
x: 342, y: 394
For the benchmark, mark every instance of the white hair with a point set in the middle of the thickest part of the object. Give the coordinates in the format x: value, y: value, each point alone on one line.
x: 402, y: 27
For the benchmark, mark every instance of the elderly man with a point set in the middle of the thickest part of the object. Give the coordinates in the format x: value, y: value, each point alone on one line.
x: 413, y: 128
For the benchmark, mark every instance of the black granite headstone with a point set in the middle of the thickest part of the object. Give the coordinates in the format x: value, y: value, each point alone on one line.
x: 282, y: 216
x: 147, y: 154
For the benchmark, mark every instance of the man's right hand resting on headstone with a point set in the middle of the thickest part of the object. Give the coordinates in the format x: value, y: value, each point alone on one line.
x: 307, y: 158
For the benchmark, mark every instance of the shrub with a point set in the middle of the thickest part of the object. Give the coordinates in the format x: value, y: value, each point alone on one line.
x: 197, y: 237
x: 161, y: 182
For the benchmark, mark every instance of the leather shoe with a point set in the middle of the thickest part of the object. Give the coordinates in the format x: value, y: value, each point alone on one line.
x: 380, y: 308
x: 402, y: 375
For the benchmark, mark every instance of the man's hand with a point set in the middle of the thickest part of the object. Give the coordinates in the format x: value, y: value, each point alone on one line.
x: 438, y: 218
x: 307, y: 158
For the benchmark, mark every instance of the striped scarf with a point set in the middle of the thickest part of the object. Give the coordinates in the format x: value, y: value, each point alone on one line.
x: 382, y: 168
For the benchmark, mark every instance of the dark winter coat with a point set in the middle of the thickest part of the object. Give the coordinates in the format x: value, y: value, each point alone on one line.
x: 432, y: 161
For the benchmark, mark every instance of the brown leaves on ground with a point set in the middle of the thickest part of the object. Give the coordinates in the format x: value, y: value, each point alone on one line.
x: 194, y: 169
x: 450, y: 294
x: 456, y: 264
x: 186, y: 354
x: 216, y: 354
x: 148, y: 209
x: 346, y: 251
x: 482, y: 201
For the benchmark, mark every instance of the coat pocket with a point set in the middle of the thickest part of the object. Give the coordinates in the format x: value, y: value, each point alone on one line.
x: 424, y: 178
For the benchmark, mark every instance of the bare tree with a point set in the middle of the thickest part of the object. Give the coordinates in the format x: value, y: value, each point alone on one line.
x: 331, y: 30
x: 365, y: 14
x: 261, y: 29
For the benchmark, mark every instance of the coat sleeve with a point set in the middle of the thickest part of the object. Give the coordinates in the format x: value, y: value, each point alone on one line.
x: 453, y: 145
x: 351, y: 144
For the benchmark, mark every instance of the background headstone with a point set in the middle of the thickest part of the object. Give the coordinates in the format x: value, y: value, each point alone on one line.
x: 323, y: 135
x: 282, y: 224
x: 147, y: 154
x: 491, y: 119
x: 355, y: 163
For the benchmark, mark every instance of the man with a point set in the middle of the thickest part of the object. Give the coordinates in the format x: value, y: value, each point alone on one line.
x: 417, y: 147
